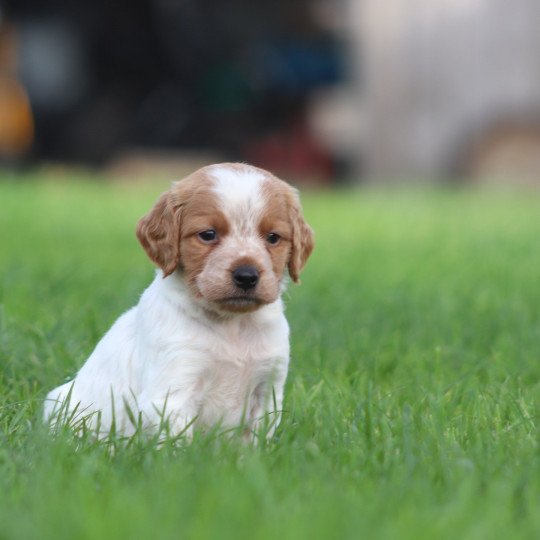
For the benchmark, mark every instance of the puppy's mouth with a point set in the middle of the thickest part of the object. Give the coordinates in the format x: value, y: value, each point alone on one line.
x: 240, y: 303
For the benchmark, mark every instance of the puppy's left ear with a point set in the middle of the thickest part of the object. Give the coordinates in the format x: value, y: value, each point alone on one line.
x: 159, y: 233
x: 302, y: 237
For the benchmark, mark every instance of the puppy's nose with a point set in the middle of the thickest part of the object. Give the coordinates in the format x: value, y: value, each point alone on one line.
x: 246, y: 277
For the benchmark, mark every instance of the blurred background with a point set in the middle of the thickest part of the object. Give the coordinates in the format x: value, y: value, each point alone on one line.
x: 318, y: 91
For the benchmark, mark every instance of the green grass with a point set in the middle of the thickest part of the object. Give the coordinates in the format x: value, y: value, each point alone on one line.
x: 412, y: 404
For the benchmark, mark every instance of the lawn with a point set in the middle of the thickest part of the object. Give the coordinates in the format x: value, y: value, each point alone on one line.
x: 412, y: 404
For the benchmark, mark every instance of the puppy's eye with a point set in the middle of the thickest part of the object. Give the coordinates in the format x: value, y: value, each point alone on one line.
x: 209, y: 236
x: 273, y: 238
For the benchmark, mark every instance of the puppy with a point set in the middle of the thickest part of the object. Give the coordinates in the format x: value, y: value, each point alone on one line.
x: 208, y: 342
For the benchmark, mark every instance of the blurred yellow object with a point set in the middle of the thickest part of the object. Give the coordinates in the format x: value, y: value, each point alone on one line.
x: 16, y: 123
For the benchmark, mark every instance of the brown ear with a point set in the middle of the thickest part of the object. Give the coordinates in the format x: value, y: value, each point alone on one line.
x: 302, y: 238
x: 159, y: 233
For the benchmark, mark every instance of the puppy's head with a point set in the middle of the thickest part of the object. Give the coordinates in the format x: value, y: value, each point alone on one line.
x: 232, y: 230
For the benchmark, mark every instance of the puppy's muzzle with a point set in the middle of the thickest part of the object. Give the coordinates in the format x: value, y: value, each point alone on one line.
x: 245, y: 277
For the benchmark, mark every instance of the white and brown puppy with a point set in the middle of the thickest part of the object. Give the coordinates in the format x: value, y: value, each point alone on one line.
x: 208, y: 342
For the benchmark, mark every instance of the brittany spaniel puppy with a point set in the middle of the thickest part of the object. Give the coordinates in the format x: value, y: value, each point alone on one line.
x: 207, y: 344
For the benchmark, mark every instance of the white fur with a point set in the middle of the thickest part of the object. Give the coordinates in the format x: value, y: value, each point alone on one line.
x: 172, y: 360
x: 237, y: 186
x: 165, y: 359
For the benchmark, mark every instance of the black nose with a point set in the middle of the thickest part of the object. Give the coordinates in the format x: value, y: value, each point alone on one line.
x: 246, y: 277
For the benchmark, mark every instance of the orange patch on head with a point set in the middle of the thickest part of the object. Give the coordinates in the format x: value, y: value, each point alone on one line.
x: 174, y: 216
x: 275, y: 220
x: 283, y: 215
x: 201, y: 214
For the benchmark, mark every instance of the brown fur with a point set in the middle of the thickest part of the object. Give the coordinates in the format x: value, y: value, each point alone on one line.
x: 302, y: 241
x: 285, y: 214
x: 276, y: 220
x: 160, y: 230
x: 201, y: 214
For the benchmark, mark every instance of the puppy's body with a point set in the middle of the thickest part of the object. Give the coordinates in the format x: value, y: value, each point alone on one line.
x: 208, y: 342
x: 166, y: 359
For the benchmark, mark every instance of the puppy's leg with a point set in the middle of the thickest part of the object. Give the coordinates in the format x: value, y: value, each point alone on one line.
x: 169, y: 415
x: 266, y: 408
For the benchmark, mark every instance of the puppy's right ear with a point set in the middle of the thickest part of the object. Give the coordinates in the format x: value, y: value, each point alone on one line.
x: 159, y: 233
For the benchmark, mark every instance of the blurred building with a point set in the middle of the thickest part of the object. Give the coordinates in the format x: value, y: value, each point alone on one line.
x: 447, y: 88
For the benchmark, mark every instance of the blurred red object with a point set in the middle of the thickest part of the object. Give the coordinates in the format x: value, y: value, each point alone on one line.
x: 294, y: 154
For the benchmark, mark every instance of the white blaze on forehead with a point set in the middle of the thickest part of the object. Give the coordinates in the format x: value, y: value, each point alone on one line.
x: 240, y: 194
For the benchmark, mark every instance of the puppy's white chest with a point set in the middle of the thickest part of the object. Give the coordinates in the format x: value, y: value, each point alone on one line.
x: 239, y: 379
x: 230, y: 389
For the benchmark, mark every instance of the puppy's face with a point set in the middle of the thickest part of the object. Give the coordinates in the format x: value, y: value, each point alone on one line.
x: 232, y: 230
